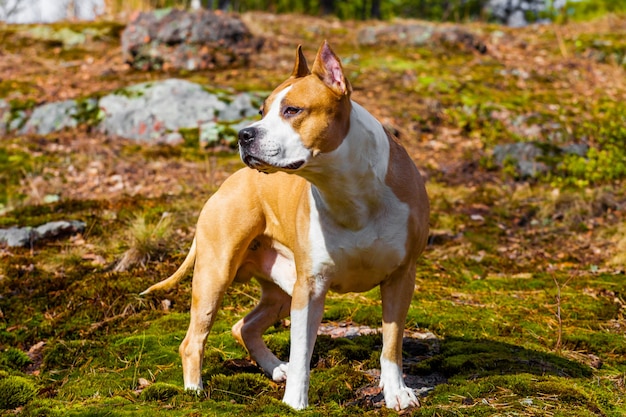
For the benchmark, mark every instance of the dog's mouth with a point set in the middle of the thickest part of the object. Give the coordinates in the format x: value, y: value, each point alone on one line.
x: 263, y: 166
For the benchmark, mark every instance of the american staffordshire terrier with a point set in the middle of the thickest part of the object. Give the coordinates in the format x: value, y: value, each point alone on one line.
x: 343, y: 209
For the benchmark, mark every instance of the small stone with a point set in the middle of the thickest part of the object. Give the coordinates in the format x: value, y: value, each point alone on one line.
x: 209, y: 134
x: 51, y: 198
x: 526, y: 402
x: 25, y: 236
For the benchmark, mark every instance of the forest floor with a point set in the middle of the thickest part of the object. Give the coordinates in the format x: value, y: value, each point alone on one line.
x: 520, y: 298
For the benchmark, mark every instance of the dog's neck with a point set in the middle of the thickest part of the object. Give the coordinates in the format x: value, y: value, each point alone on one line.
x: 349, y: 184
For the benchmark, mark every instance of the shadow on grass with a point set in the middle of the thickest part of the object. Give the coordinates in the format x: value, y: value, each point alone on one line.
x: 482, y: 375
x: 473, y: 358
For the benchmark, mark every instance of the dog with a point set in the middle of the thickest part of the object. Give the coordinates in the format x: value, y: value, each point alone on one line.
x: 344, y: 208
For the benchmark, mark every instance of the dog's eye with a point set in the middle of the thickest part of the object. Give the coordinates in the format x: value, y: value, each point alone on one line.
x: 290, y: 111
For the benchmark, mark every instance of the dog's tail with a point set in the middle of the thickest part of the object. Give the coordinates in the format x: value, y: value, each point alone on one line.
x: 175, y: 278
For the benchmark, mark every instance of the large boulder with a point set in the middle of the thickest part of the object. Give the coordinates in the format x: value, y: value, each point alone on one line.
x: 190, y: 40
x: 160, y: 111
x: 167, y: 111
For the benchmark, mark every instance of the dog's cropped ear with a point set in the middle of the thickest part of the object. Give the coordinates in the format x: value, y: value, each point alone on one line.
x: 300, y: 69
x: 327, y: 67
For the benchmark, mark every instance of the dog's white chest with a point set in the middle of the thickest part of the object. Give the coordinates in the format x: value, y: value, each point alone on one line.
x: 358, y: 260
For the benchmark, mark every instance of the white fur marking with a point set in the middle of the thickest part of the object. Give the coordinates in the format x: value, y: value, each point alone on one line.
x: 397, y: 395
x: 297, y: 389
x: 357, y: 235
x: 283, y: 271
x: 279, y: 144
x: 193, y: 387
x: 279, y: 374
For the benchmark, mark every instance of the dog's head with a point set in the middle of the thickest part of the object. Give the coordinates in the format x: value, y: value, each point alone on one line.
x: 307, y: 115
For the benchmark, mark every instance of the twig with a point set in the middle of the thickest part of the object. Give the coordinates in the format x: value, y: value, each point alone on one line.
x: 558, y: 312
x: 561, y: 43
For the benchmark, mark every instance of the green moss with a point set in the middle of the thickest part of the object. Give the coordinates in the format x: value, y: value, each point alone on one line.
x: 337, y: 384
x: 240, y: 388
x: 521, y: 392
x: 191, y: 137
x: 160, y: 392
x: 14, y: 358
x: 268, y: 405
x: 88, y: 112
x: 279, y: 344
x: 334, y: 351
x: 43, y: 408
x: 69, y: 354
x: 13, y: 164
x: 12, y: 88
x: 16, y: 391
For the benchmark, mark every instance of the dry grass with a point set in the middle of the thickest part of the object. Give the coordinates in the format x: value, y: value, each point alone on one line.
x: 147, y: 241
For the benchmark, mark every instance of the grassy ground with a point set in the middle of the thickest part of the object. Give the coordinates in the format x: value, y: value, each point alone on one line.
x: 522, y: 287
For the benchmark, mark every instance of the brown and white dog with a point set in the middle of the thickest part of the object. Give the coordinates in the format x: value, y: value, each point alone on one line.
x: 344, y: 209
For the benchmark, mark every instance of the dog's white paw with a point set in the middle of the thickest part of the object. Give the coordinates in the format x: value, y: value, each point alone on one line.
x: 279, y: 373
x: 193, y: 388
x: 400, y: 398
x: 297, y: 402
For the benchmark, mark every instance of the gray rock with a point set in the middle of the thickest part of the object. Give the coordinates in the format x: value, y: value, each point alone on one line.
x: 516, y: 19
x: 412, y: 34
x: 174, y: 38
x: 57, y: 229
x: 515, y: 12
x: 419, y: 34
x: 524, y: 155
x: 150, y: 111
x: 16, y: 236
x: 579, y: 149
x: 173, y: 138
x: 5, y: 114
x: 26, y: 236
x: 147, y: 111
x: 52, y: 117
x: 241, y: 107
x: 532, y: 159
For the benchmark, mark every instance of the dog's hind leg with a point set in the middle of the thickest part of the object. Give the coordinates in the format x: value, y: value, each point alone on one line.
x: 273, y: 306
x: 226, y: 226
x: 215, y: 269
x: 396, y: 294
x: 209, y: 286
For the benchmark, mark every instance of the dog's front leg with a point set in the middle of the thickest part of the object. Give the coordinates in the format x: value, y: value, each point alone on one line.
x: 307, y: 309
x: 396, y: 294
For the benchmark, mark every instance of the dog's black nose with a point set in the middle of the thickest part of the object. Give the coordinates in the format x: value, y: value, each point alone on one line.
x: 247, y: 135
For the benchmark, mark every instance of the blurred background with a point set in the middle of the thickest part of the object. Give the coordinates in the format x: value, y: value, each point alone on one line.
x: 510, y: 12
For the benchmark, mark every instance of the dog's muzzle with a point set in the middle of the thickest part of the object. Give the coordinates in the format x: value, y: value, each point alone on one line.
x: 253, y: 157
x: 247, y: 138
